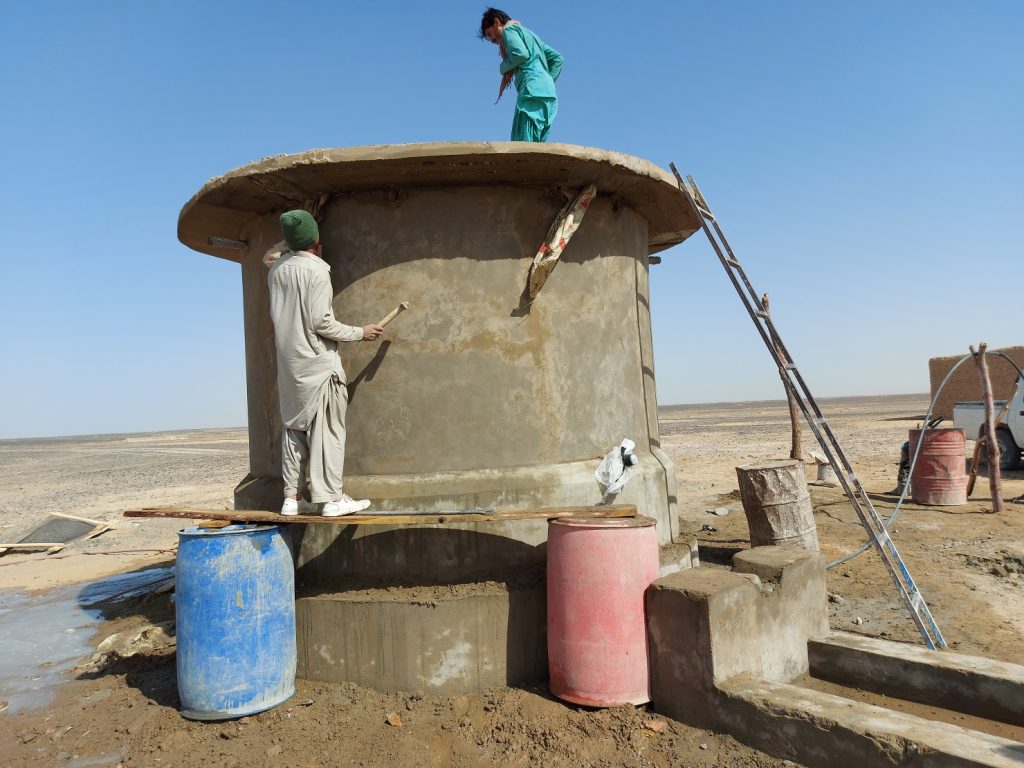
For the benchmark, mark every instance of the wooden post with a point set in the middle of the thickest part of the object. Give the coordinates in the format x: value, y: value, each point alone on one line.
x: 796, y: 447
x: 994, y: 477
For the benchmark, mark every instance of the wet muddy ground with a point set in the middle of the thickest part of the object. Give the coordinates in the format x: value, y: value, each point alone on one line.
x: 967, y: 561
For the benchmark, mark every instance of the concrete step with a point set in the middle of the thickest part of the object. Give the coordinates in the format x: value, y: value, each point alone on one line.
x: 970, y: 684
x: 819, y: 729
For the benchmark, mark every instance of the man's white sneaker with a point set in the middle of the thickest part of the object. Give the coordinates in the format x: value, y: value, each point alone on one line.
x: 291, y: 507
x: 346, y: 505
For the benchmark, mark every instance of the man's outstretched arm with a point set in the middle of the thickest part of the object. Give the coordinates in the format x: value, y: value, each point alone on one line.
x: 324, y: 322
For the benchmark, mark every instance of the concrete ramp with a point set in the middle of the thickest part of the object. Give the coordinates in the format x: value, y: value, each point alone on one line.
x: 820, y: 729
x: 970, y: 684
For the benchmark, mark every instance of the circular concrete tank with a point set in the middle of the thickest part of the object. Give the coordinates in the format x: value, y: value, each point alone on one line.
x: 471, y: 399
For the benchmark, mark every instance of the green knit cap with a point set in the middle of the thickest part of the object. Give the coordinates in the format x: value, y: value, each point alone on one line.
x: 299, y: 229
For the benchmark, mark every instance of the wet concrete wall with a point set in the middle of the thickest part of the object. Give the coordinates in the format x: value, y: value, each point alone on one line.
x: 469, y: 399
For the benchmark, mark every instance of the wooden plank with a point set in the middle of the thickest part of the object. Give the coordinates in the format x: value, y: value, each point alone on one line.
x: 413, y: 518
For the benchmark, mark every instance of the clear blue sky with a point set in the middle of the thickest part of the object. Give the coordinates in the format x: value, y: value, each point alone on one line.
x: 865, y: 159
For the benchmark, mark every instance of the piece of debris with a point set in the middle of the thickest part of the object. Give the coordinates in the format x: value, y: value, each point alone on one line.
x: 658, y: 726
x: 709, y: 528
x: 834, y: 598
x: 57, y: 531
x: 277, y: 749
x: 109, y: 758
x: 561, y: 231
x: 394, y: 719
x: 858, y: 621
x: 720, y: 511
x: 48, y: 547
x: 122, y: 645
x: 703, y: 746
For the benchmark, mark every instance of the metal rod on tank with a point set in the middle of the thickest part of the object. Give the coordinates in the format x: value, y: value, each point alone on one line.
x: 227, y: 242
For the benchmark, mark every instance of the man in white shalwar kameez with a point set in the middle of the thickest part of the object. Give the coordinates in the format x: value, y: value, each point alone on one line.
x: 310, y: 379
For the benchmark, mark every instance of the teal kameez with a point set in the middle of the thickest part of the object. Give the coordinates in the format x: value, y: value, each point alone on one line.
x: 536, y: 67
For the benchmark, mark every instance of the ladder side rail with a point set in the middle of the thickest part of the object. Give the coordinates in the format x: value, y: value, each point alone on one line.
x: 919, y: 604
x: 873, y: 524
x: 731, y: 263
x: 883, y: 542
x: 763, y: 323
x: 843, y: 477
x: 821, y: 417
x: 804, y: 393
x: 872, y: 513
x: 775, y: 337
x: 729, y: 271
x: 768, y: 321
x: 728, y: 248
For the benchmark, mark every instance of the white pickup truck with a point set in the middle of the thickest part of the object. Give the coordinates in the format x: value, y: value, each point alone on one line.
x: 970, y: 417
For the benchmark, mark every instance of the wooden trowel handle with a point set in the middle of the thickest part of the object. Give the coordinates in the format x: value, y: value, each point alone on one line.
x: 394, y: 313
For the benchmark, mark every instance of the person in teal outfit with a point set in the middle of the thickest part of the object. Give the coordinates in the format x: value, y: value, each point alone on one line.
x: 534, y: 67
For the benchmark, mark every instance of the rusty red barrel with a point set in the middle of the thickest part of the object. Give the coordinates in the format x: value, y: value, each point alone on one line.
x: 598, y: 571
x: 940, y: 475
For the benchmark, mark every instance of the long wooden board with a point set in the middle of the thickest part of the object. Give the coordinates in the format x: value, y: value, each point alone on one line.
x: 412, y: 518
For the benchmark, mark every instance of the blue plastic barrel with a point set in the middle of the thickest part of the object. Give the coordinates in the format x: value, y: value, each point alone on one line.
x: 235, y: 607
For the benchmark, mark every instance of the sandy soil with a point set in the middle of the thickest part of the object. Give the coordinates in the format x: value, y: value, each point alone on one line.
x: 969, y: 565
x: 101, y: 476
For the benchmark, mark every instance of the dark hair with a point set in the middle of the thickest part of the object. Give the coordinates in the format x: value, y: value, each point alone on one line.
x: 492, y: 15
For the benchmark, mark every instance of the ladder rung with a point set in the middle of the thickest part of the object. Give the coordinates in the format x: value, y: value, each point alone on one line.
x: 732, y: 262
x: 789, y: 367
x: 760, y: 313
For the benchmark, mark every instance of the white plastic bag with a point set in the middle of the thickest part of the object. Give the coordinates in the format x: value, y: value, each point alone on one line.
x: 617, y: 467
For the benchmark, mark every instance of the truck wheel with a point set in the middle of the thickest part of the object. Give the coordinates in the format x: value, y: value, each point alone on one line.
x: 1009, y: 458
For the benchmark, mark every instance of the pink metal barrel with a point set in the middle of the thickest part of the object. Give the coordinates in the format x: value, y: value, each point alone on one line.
x: 598, y: 571
x: 940, y: 475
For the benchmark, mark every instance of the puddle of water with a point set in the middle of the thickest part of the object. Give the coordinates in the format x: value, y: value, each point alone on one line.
x: 123, y: 585
x: 43, y: 635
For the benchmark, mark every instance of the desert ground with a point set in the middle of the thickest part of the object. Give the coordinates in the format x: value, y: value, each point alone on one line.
x: 968, y: 562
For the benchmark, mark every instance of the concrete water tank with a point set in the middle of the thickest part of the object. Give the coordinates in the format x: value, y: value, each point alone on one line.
x: 470, y: 399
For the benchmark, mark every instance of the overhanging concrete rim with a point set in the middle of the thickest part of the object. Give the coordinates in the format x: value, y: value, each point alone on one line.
x: 225, y: 205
